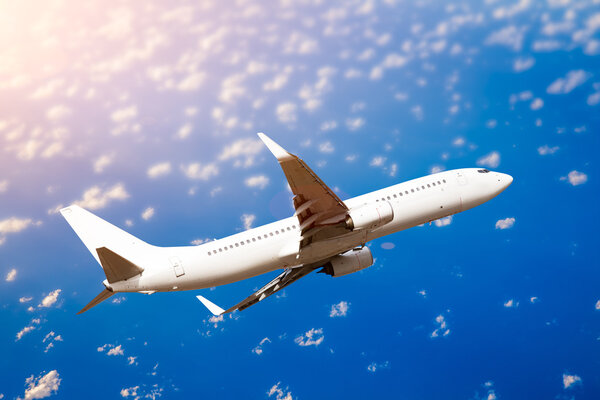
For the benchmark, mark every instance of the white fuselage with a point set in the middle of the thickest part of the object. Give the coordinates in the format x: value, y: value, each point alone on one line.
x: 275, y: 245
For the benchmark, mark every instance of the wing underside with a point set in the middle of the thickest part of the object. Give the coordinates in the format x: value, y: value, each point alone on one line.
x: 288, y: 276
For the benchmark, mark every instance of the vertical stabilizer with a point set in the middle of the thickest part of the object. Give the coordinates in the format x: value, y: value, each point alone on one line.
x: 96, y: 233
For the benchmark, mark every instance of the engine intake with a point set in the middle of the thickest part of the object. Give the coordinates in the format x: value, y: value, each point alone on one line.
x: 370, y: 216
x: 349, y: 262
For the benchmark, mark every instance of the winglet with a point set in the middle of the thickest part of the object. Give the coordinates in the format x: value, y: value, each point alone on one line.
x: 212, y: 307
x: 279, y: 152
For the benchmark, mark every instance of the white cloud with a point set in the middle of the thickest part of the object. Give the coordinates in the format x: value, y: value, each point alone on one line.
x: 124, y: 114
x: 184, y: 131
x: 158, y: 170
x: 278, y: 81
x: 25, y: 299
x: 199, y: 172
x: 3, y: 185
x: 377, y: 161
x: 286, y: 112
x: 511, y: 303
x: 95, y: 198
x: 232, y: 88
x: 102, y: 162
x: 340, y: 309
x: 148, y: 213
x: 279, y: 392
x: 258, y: 350
x: 598, y: 305
x: 536, y: 104
x: 546, y: 45
x: 505, y: 223
x: 373, y: 367
x: 130, y: 391
x: 545, y: 150
x: 593, y: 99
x: 442, y: 329
x: 11, y: 275
x: 572, y: 80
x: 443, y: 221
x: 191, y: 82
x: 58, y: 112
x: 326, y: 147
x: 313, y: 337
x: 510, y: 36
x: 41, y: 387
x: 50, y: 299
x: 257, y: 181
x: 511, y: 10
x: 131, y: 360
x: 115, y: 351
x: 491, y: 160
x: 570, y: 380
x: 248, y: 220
x: 576, y: 178
x: 15, y: 225
x: 523, y: 64
x: 243, y: 148
x: 354, y: 124
x: 328, y: 125
x: 24, y: 331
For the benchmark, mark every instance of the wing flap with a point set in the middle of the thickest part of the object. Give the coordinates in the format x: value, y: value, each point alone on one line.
x: 315, y: 203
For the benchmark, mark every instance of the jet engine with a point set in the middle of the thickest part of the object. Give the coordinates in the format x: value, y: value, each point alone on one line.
x: 370, y: 216
x: 349, y: 262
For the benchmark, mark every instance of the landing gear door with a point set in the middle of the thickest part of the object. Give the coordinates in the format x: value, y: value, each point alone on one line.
x: 177, y: 266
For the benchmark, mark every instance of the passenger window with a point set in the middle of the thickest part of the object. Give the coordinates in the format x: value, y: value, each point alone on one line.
x: 389, y: 198
x: 294, y: 226
x: 259, y: 238
x: 277, y: 232
x: 400, y: 194
x: 423, y: 187
x: 254, y: 239
x: 237, y: 245
x: 220, y: 250
x: 443, y: 180
x: 406, y: 192
x: 231, y: 246
x: 270, y: 233
x: 439, y: 183
x: 417, y: 188
x: 289, y: 229
x: 209, y: 253
x: 395, y: 196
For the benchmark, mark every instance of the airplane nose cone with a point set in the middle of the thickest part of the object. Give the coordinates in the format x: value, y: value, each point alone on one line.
x: 504, y: 180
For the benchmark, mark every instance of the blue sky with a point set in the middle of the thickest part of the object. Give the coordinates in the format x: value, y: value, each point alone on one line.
x: 146, y: 113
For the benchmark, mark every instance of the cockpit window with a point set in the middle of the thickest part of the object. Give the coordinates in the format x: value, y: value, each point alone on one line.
x: 483, y: 171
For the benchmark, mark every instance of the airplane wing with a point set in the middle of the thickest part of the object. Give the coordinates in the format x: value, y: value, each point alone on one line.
x: 289, y: 275
x: 317, y: 207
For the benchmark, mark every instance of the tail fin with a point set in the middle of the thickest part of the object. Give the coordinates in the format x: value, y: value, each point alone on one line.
x: 105, y: 294
x: 96, y: 233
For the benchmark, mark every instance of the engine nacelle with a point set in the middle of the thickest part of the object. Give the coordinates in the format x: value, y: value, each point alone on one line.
x: 370, y: 216
x: 349, y: 262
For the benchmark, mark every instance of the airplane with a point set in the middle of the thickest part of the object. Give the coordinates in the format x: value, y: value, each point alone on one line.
x: 325, y: 234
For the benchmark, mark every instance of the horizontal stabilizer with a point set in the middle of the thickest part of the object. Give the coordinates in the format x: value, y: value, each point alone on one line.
x: 105, y: 294
x: 116, y: 267
x: 212, y: 307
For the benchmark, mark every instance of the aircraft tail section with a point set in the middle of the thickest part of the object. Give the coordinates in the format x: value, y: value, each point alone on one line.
x: 97, y: 234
